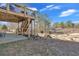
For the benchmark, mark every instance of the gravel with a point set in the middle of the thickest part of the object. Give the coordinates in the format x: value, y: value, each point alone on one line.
x: 39, y: 46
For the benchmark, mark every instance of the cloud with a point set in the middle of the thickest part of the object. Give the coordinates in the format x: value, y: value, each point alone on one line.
x: 43, y: 9
x: 55, y: 7
x: 67, y: 12
x: 32, y: 8
x: 50, y: 7
x: 46, y: 7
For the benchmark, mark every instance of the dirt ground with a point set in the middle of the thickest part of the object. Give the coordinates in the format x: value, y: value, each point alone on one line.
x: 40, y: 47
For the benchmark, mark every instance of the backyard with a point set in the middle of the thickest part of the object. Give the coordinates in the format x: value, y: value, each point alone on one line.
x: 25, y: 30
x: 39, y: 46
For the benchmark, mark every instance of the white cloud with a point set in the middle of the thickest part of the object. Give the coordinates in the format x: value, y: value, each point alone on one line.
x: 43, y: 9
x: 46, y: 7
x: 32, y: 8
x: 55, y: 7
x: 67, y: 12
x: 50, y: 7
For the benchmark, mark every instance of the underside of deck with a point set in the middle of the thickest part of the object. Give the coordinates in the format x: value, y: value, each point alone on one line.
x: 9, y: 16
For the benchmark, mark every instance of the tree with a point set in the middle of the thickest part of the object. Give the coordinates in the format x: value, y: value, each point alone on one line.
x: 69, y: 24
x: 62, y: 24
x: 0, y: 27
x: 58, y: 24
x: 77, y: 25
x: 4, y: 27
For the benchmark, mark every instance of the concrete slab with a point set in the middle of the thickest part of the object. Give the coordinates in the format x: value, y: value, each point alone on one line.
x: 11, y: 38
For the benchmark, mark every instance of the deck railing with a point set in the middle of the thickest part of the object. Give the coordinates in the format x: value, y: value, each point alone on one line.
x: 18, y: 9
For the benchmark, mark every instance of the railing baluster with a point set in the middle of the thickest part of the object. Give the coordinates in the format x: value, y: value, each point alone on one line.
x: 24, y: 11
x: 7, y: 7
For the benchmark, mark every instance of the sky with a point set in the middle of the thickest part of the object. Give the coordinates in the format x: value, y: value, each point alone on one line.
x: 58, y: 12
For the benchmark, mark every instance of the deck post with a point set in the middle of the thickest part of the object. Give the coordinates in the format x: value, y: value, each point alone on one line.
x: 18, y: 27
x: 28, y: 27
x: 7, y: 7
x: 31, y: 28
x: 24, y: 11
x: 34, y: 27
x: 37, y: 24
x: 17, y: 30
x: 22, y: 29
x: 38, y: 27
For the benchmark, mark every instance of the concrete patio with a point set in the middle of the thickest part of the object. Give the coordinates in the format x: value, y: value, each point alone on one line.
x: 11, y: 38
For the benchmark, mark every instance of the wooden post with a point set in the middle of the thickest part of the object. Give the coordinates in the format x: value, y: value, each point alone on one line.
x: 17, y: 30
x: 18, y: 27
x: 34, y: 22
x: 37, y: 24
x: 24, y: 11
x: 31, y: 27
x: 7, y: 7
x: 34, y: 27
x: 38, y: 27
x: 22, y: 29
x: 36, y: 18
x: 28, y: 27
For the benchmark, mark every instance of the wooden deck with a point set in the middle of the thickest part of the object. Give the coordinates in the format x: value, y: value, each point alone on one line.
x: 10, y: 16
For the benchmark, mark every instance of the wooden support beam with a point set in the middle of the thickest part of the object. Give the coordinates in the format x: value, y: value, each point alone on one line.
x: 18, y: 27
x: 31, y: 27
x: 24, y: 11
x: 22, y: 29
x: 17, y: 30
x: 38, y: 27
x: 34, y: 27
x: 28, y: 27
x: 7, y: 6
x: 36, y: 18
